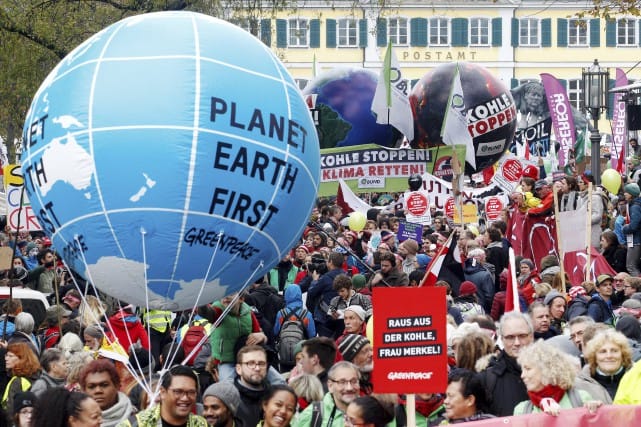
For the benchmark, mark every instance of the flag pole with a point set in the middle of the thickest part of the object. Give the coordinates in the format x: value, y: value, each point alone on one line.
x: 436, y: 256
x: 588, y: 234
x: 558, y: 234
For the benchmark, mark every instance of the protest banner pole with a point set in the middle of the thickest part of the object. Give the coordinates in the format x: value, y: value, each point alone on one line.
x: 410, y: 407
x: 558, y: 234
x: 456, y: 186
x: 588, y: 234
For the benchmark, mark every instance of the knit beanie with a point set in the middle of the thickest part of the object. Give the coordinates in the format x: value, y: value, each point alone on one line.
x: 94, y: 331
x: 226, y: 392
x: 528, y: 263
x: 551, y: 296
x: 358, y: 310
x: 358, y: 281
x: 351, y: 345
x: 467, y: 288
x: 632, y: 189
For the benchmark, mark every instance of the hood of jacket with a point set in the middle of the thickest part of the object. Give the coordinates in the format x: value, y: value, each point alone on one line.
x: 293, y: 297
x: 124, y: 319
x: 471, y: 267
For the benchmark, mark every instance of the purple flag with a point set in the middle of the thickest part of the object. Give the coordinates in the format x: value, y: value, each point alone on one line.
x: 619, y: 128
x: 561, y: 113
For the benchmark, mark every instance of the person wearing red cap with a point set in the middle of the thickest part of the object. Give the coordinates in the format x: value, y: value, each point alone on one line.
x: 467, y: 301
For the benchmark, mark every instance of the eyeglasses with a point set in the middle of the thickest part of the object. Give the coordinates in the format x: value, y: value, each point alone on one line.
x: 512, y: 338
x: 343, y: 383
x: 253, y: 364
x: 179, y: 393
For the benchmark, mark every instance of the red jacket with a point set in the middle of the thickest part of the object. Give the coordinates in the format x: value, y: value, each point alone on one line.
x: 128, y: 329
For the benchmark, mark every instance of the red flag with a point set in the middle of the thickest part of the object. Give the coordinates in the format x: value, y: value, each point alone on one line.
x: 512, y: 290
x: 527, y: 150
x: 348, y: 201
x: 446, y: 265
x: 574, y: 265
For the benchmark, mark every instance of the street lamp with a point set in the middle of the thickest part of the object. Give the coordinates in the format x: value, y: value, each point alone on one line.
x: 595, y: 89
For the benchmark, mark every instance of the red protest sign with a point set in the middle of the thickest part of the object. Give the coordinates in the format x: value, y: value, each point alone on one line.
x: 449, y: 207
x: 417, y: 203
x: 410, y: 343
x: 512, y: 170
x: 493, y: 208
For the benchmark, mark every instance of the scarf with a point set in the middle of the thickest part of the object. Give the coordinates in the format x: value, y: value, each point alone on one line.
x: 425, y: 407
x: 121, y: 410
x: 549, y: 391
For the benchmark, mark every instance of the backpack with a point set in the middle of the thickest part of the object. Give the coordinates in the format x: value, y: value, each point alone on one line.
x: 193, y: 338
x: 292, y: 332
x: 606, y: 216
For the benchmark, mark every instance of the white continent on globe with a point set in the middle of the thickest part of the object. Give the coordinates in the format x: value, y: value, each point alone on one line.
x: 67, y: 121
x: 68, y: 163
x: 143, y: 190
x: 124, y: 277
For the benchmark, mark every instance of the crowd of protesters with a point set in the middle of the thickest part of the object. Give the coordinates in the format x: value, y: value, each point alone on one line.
x: 95, y: 360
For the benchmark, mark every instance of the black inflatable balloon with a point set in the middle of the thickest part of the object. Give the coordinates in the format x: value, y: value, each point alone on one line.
x: 489, y: 107
x: 415, y: 181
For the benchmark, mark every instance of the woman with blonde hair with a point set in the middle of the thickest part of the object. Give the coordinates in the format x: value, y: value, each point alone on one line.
x: 608, y: 357
x: 549, y: 379
x: 308, y: 388
x: 91, y: 311
x: 471, y: 348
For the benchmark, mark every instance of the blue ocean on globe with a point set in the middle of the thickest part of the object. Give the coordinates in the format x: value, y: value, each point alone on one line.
x: 171, y: 159
x: 344, y: 102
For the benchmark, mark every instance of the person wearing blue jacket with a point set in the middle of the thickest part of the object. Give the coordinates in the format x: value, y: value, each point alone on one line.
x: 321, y: 292
x: 632, y: 230
x: 294, y: 304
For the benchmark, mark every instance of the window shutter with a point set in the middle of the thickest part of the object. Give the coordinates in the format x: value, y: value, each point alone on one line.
x: 362, y: 33
x: 418, y: 32
x: 330, y: 33
x: 561, y: 32
x: 459, y: 32
x: 381, y: 32
x: 281, y: 33
x: 595, y: 32
x: 514, y: 83
x: 266, y: 31
x: 564, y: 83
x: 413, y: 82
x: 610, y: 112
x: 610, y: 33
x: 515, y: 32
x: 497, y: 32
x: 314, y: 33
x: 546, y: 32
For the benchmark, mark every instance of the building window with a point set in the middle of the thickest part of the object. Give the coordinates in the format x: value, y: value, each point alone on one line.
x: 574, y: 93
x: 250, y: 25
x: 438, y: 31
x: 578, y: 32
x: 626, y: 32
x: 348, y: 32
x: 298, y: 33
x: 529, y: 32
x: 397, y: 31
x: 479, y: 31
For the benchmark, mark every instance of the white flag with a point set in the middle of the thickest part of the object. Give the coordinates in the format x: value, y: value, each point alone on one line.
x: 454, y: 129
x: 391, y: 103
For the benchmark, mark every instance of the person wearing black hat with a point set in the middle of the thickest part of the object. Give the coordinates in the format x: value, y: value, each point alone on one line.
x: 358, y: 350
x: 23, y: 408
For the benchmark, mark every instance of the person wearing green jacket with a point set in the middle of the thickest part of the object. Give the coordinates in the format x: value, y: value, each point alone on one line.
x: 343, y: 383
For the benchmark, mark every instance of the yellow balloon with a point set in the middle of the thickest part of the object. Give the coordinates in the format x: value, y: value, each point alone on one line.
x: 611, y: 180
x: 356, y: 221
x: 369, y: 330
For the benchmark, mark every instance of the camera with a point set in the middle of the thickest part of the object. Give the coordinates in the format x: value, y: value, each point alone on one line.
x: 319, y: 267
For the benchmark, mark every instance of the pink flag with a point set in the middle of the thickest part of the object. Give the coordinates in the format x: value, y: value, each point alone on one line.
x: 619, y: 128
x: 561, y: 113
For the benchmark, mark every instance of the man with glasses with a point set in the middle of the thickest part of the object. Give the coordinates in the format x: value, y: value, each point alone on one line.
x: 344, y: 387
x: 600, y: 306
x: 178, y: 390
x: 251, y: 382
x: 504, y: 388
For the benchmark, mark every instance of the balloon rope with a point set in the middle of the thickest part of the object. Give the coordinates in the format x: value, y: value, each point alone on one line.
x: 111, y: 342
x: 143, y: 233
x: 172, y: 357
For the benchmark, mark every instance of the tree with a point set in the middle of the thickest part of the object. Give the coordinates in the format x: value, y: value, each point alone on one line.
x: 610, y: 8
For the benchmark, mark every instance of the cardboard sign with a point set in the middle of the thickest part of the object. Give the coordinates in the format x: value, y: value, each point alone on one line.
x: 493, y: 208
x: 410, y: 343
x: 20, y: 214
x: 417, y: 204
x: 409, y: 230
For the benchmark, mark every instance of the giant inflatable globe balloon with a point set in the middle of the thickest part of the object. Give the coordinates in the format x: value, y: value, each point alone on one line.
x: 342, y: 98
x: 487, y: 106
x: 171, y: 159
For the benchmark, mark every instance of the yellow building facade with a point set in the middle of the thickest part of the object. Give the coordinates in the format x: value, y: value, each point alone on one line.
x: 515, y: 40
